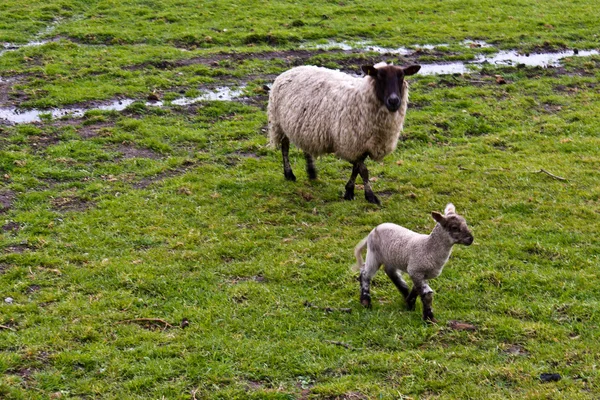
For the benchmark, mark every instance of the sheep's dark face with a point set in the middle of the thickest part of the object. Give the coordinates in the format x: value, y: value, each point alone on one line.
x: 389, y: 83
x: 456, y: 226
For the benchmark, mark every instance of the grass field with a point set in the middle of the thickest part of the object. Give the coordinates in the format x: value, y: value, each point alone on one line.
x: 158, y: 252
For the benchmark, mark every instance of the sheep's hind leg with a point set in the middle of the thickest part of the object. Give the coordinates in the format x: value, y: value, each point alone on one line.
x: 401, y: 285
x: 349, y: 195
x: 287, y: 169
x: 364, y: 174
x: 310, y: 166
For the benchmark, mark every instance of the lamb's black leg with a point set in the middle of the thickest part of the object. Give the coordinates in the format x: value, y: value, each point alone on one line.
x: 287, y: 169
x: 349, y: 195
x: 365, y: 289
x: 310, y: 166
x: 411, y: 299
x: 427, y: 299
x: 394, y: 275
x: 423, y: 289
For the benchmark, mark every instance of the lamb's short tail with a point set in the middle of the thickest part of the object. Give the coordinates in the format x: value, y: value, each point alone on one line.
x: 357, y: 253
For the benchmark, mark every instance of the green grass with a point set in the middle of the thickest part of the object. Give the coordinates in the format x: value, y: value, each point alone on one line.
x: 182, y: 213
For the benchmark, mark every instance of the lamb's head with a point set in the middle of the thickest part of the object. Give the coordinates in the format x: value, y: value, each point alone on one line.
x: 454, y: 224
x: 389, y: 82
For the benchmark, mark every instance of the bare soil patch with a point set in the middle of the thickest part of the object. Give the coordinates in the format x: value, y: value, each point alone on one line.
x: 18, y: 248
x: 137, y: 152
x: 11, y: 226
x: 71, y: 203
x: 7, y: 198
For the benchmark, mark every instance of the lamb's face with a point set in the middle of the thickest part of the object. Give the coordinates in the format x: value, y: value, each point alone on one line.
x: 457, y: 228
x: 389, y: 83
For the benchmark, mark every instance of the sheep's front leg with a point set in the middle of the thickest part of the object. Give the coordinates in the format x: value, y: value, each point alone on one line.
x: 287, y: 169
x: 310, y: 166
x: 364, y: 174
x: 349, y: 195
x: 395, y: 276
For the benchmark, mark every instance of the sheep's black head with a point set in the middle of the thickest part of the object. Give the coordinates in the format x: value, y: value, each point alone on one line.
x: 389, y: 83
x: 454, y: 224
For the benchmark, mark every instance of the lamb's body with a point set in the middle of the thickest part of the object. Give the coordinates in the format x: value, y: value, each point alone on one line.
x: 410, y: 252
x: 324, y: 111
x: 422, y: 257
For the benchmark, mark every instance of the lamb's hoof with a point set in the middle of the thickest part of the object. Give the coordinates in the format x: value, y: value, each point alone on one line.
x: 312, y: 175
x: 349, y: 195
x: 429, y: 318
x: 371, y: 198
x: 410, y: 306
x: 289, y: 176
x: 365, y: 301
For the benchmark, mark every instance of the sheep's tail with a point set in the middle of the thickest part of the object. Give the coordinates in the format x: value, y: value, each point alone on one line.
x: 357, y: 253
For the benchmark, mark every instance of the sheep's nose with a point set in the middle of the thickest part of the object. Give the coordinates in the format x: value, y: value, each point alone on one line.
x: 393, y: 103
x: 469, y: 241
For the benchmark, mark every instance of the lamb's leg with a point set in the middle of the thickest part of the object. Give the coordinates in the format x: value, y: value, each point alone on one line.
x: 395, y: 276
x: 426, y: 294
x: 310, y: 166
x: 411, y: 299
x: 349, y: 195
x: 364, y: 174
x: 287, y: 169
x: 367, y: 272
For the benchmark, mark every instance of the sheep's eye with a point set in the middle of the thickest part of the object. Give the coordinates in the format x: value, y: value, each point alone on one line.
x: 454, y: 229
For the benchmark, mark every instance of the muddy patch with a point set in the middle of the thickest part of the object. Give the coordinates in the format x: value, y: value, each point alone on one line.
x: 7, y: 198
x: 32, y: 289
x: 515, y: 350
x: 11, y: 226
x: 18, y: 248
x: 127, y: 152
x: 71, y: 203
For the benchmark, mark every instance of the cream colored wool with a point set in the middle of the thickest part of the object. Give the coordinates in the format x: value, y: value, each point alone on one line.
x: 324, y: 111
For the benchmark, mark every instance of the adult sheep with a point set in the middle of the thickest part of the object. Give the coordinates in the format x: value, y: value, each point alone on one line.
x: 324, y: 111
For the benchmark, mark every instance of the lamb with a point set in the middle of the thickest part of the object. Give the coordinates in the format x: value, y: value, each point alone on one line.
x: 421, y: 256
x: 323, y: 111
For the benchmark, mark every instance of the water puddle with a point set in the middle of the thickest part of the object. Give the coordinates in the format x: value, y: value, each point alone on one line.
x: 533, y: 60
x: 20, y: 116
x: 509, y: 58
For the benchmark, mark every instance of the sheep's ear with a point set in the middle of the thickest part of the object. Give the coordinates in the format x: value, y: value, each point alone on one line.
x: 411, y: 69
x: 450, y: 209
x: 439, y: 218
x: 369, y: 70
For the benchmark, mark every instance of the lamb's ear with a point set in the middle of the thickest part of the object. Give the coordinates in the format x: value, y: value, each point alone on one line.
x: 411, y: 69
x: 439, y: 218
x: 369, y: 70
x: 450, y: 209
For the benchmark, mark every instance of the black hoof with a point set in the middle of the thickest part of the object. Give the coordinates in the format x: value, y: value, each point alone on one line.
x: 312, y: 175
x: 349, y: 195
x: 365, y: 300
x: 428, y: 317
x: 289, y: 176
x: 371, y: 198
x: 410, y: 306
